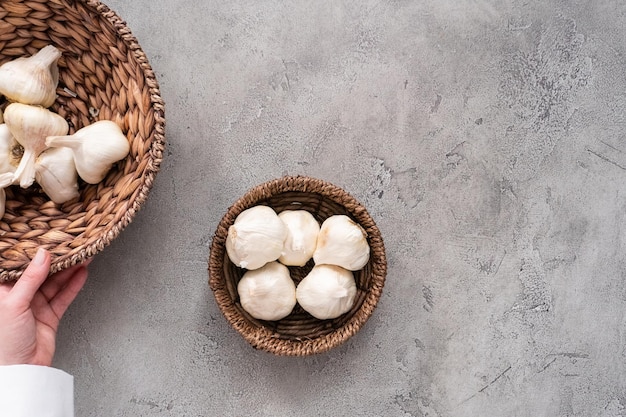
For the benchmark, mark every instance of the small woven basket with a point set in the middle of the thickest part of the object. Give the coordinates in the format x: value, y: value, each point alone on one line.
x: 103, y: 75
x: 298, y: 334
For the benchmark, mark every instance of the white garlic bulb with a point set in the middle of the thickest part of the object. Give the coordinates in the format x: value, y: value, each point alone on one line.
x: 6, y: 179
x: 30, y: 125
x: 267, y: 293
x: 56, y: 174
x: 256, y: 237
x: 342, y: 242
x: 96, y: 147
x: 327, y: 292
x: 7, y: 144
x: 302, y: 231
x: 32, y: 80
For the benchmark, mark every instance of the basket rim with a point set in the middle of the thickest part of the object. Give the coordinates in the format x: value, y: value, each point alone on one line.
x: 157, y: 148
x: 264, y: 338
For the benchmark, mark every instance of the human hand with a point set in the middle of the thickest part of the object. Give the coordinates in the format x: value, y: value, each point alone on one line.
x: 31, y: 308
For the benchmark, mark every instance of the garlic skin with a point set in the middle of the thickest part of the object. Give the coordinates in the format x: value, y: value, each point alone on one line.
x: 32, y: 80
x: 7, y: 143
x: 96, y: 148
x: 256, y: 237
x: 56, y: 174
x: 267, y: 293
x: 302, y: 231
x: 327, y: 292
x: 342, y: 242
x: 6, y: 179
x: 30, y: 125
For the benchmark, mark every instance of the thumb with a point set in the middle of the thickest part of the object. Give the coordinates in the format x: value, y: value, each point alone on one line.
x: 35, y: 274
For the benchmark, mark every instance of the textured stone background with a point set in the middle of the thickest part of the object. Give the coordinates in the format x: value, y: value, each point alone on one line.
x: 487, y: 139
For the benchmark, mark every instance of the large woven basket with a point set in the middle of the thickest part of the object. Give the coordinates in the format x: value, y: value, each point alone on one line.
x: 103, y: 75
x: 298, y: 334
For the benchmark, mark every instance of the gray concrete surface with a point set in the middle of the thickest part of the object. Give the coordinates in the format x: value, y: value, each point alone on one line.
x: 487, y: 139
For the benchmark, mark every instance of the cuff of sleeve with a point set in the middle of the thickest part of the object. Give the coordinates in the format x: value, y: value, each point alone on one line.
x: 30, y: 390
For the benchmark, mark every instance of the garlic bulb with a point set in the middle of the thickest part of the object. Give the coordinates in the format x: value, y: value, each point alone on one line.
x: 267, y: 293
x: 327, y: 292
x: 6, y: 179
x: 7, y: 144
x: 256, y: 237
x: 302, y: 231
x: 56, y: 174
x: 30, y: 125
x: 96, y: 147
x: 32, y: 80
x: 342, y: 242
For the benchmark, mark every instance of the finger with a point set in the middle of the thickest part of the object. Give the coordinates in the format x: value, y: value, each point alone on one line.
x: 6, y: 288
x: 67, y: 294
x: 32, y: 278
x: 43, y: 312
x: 58, y: 280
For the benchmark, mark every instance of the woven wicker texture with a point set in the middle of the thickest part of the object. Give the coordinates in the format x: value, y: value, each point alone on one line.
x: 298, y: 334
x: 103, y: 75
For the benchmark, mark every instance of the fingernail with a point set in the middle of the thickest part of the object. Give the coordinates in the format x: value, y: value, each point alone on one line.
x: 40, y: 257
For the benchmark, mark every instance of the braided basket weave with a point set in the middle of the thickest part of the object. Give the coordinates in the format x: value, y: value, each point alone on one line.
x: 298, y: 334
x: 103, y: 75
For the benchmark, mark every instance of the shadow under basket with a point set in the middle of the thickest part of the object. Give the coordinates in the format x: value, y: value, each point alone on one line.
x: 103, y: 75
x: 298, y: 334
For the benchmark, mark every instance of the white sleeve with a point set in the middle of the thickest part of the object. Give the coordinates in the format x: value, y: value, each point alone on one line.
x: 35, y: 391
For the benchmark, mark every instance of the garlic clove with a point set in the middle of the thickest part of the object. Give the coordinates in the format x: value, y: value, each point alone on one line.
x: 267, y: 293
x: 56, y: 174
x: 32, y: 80
x: 302, y: 231
x: 342, y: 242
x: 7, y: 145
x: 6, y: 179
x: 256, y: 237
x: 327, y: 292
x: 96, y: 148
x: 30, y: 125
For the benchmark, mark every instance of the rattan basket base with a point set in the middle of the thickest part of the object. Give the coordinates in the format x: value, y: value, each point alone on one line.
x: 103, y: 75
x: 300, y: 333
